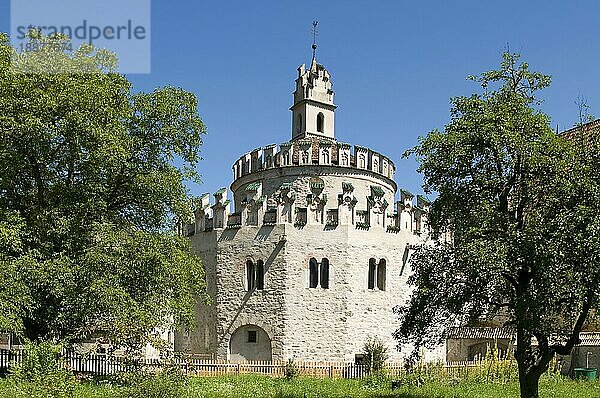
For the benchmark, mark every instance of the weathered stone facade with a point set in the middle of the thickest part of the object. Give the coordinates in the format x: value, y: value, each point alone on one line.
x: 315, y: 254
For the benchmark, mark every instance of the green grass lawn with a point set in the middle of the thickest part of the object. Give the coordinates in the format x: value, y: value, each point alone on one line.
x: 263, y: 387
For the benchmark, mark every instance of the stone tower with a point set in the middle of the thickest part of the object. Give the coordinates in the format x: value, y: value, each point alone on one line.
x: 315, y: 253
x: 313, y: 112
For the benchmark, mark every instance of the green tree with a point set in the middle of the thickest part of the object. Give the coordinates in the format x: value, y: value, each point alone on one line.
x: 14, y: 295
x: 515, y: 221
x: 92, y: 176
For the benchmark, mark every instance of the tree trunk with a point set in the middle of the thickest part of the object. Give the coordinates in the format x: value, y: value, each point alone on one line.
x: 528, y: 381
x: 532, y: 364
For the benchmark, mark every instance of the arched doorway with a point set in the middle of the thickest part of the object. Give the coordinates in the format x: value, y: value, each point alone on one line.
x: 250, y: 343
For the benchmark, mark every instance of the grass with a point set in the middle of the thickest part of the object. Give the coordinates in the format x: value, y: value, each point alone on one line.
x: 266, y: 387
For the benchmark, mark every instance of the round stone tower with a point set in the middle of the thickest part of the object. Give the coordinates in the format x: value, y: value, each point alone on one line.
x: 314, y: 256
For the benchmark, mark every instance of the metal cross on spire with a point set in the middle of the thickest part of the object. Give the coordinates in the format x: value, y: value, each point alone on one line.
x: 315, y: 33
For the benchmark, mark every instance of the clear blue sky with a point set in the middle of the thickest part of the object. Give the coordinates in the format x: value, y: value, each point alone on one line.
x: 394, y: 65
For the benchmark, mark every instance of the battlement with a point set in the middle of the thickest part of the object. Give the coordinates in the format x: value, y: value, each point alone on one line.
x: 313, y: 151
x: 409, y: 214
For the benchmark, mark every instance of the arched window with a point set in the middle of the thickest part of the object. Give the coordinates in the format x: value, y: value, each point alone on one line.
x: 286, y: 158
x: 361, y: 161
x: 250, y: 276
x: 269, y: 160
x: 344, y: 159
x: 377, y: 274
x: 375, y: 165
x: 298, y: 124
x: 325, y: 273
x: 305, y: 157
x: 381, y: 275
x: 320, y: 123
x: 372, y: 271
x: 325, y: 156
x: 260, y: 275
x: 319, y: 273
x: 314, y: 273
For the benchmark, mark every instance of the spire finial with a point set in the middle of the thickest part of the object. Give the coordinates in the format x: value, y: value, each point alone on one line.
x: 315, y: 33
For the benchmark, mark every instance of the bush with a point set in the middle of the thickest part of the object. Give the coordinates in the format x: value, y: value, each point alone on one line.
x: 375, y: 354
x: 376, y: 379
x: 42, y: 373
x: 291, y: 370
x: 168, y: 383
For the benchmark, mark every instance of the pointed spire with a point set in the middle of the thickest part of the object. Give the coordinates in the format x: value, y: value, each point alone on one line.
x: 314, y: 45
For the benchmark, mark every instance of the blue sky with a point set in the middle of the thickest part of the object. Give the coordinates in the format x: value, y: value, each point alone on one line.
x: 394, y: 65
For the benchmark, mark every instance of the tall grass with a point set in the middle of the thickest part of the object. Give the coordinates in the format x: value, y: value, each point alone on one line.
x: 492, y: 378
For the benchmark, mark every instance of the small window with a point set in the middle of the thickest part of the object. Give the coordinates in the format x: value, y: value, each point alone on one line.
x: 325, y: 273
x: 319, y: 273
x: 372, y: 270
x: 344, y: 159
x: 252, y: 336
x: 405, y: 258
x: 314, y: 273
x: 361, y: 161
x: 250, y: 275
x: 381, y: 275
x: 332, y: 217
x: 301, y: 216
x: 325, y: 156
x: 299, y: 124
x: 260, y: 275
x: 320, y: 123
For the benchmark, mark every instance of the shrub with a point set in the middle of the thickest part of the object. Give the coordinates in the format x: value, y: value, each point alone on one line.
x: 376, y: 379
x: 42, y: 373
x: 168, y: 383
x: 291, y: 370
x: 376, y: 353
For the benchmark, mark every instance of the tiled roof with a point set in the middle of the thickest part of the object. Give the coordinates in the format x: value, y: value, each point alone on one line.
x: 253, y: 186
x: 422, y: 201
x: 587, y: 338
x: 590, y: 338
x: 404, y: 192
x: 582, y: 131
x: 347, y: 186
x: 480, y: 333
x: 376, y: 191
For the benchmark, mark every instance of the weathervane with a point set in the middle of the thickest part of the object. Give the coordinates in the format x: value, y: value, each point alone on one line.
x: 315, y: 33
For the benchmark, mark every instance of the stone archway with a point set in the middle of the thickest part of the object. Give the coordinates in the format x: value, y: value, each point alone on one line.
x: 250, y: 343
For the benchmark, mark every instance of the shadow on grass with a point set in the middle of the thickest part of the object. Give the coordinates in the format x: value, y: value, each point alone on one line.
x: 403, y: 395
x: 373, y: 395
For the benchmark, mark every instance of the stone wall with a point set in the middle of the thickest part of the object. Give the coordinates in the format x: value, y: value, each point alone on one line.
x: 302, y: 322
x: 285, y: 213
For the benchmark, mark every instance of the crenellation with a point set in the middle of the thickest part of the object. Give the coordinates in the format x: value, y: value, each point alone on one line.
x: 257, y: 204
x: 309, y: 151
x: 310, y: 254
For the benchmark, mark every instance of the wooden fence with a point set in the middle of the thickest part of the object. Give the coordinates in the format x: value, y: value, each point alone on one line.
x: 103, y: 365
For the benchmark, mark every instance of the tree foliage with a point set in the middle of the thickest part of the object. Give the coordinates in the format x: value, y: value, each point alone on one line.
x: 91, y: 176
x: 516, y: 224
